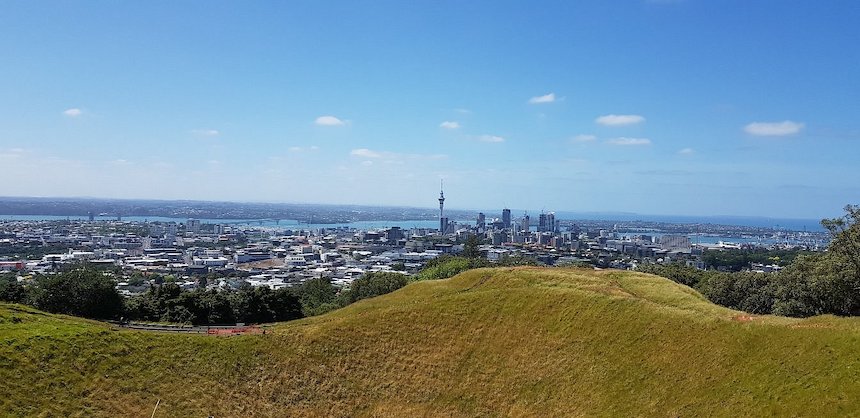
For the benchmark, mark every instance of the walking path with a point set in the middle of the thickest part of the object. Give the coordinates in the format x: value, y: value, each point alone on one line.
x: 190, y: 329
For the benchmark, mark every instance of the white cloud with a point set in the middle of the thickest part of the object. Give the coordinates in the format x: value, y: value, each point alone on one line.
x: 206, y: 132
x: 624, y: 141
x: 783, y: 128
x: 73, y: 112
x: 365, y: 153
x: 462, y: 111
x: 619, y: 120
x: 303, y: 149
x: 546, y: 98
x: 687, y: 151
x: 490, y: 138
x: 329, y: 120
x: 367, y: 163
x: 12, y: 153
x: 584, y: 138
x: 449, y: 125
x: 389, y: 157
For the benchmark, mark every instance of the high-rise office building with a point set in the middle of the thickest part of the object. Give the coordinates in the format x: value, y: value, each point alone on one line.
x: 482, y: 220
x: 193, y: 225
x: 524, y: 225
x: 546, y: 222
x: 506, y: 218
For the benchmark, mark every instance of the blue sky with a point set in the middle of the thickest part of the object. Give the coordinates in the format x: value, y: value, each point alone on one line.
x: 656, y: 107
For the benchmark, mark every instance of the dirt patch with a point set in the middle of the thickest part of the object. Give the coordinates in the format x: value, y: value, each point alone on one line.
x: 743, y: 318
x: 265, y: 264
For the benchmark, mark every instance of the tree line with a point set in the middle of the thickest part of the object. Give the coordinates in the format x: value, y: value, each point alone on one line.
x: 813, y: 284
x: 91, y: 293
x: 740, y: 259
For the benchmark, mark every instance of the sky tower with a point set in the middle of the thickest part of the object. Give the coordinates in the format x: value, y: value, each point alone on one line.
x: 443, y: 222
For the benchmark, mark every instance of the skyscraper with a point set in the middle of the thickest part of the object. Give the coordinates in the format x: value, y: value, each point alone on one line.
x: 193, y: 225
x: 482, y: 220
x: 506, y: 218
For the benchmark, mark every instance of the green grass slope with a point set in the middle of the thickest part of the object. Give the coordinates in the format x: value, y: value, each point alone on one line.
x: 489, y: 342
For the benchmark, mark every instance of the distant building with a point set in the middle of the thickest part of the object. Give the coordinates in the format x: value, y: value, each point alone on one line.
x: 394, y: 234
x: 482, y: 220
x: 506, y: 218
x: 675, y: 243
x: 546, y: 222
x: 524, y: 225
x: 193, y: 225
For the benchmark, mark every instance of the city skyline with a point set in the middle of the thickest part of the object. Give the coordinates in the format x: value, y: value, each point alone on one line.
x: 649, y: 107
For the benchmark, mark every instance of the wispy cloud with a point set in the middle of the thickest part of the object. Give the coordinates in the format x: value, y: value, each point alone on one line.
x: 388, y: 157
x: 619, y: 120
x: 73, y: 112
x: 12, y: 153
x: 302, y: 149
x: 584, y: 138
x: 205, y: 132
x: 783, y: 128
x: 463, y: 111
x: 546, y: 98
x: 660, y: 172
x: 329, y: 120
x: 624, y: 141
x: 687, y: 151
x: 449, y: 125
x: 490, y: 138
x: 365, y: 153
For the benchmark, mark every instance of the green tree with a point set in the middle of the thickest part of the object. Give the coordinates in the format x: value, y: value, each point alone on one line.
x: 80, y: 292
x: 11, y: 290
x: 317, y: 296
x: 845, y: 233
x: 677, y: 272
x: 375, y: 284
x: 471, y: 247
x: 447, y: 266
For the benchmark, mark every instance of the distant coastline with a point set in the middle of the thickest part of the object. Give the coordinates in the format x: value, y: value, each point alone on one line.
x: 329, y: 215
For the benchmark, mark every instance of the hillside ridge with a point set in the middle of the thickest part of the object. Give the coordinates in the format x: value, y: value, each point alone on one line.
x: 516, y: 341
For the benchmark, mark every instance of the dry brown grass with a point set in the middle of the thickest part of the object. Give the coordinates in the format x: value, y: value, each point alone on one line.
x: 489, y: 342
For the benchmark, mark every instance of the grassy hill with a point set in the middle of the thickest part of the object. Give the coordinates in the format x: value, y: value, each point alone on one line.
x: 490, y: 342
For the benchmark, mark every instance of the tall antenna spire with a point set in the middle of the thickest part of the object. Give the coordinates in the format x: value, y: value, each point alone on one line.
x: 441, y: 207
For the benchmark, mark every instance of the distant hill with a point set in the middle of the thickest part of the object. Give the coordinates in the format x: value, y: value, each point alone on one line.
x: 496, y: 342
